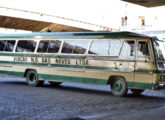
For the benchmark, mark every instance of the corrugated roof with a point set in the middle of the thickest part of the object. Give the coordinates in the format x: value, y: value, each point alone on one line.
x: 34, y: 25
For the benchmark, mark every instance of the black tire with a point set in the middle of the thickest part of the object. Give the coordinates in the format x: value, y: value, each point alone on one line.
x: 119, y: 86
x: 52, y: 83
x: 32, y: 79
x: 136, y: 91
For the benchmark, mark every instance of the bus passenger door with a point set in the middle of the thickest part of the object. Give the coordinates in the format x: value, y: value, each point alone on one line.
x: 143, y: 65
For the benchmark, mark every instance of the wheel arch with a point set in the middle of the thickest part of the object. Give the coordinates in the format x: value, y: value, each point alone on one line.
x: 28, y: 69
x: 111, y: 78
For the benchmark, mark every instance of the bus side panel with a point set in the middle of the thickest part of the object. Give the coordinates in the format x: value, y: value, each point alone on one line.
x: 104, y: 69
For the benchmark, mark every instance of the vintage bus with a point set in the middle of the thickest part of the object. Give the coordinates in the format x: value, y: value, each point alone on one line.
x: 122, y: 60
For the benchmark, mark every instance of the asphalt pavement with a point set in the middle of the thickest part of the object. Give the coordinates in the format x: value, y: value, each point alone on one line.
x: 72, y: 101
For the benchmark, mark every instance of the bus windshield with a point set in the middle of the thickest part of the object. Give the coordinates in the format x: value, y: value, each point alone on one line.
x: 160, y: 53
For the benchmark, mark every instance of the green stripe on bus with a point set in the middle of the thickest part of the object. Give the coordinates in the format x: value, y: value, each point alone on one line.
x: 138, y: 85
x: 73, y: 79
x: 135, y: 85
x: 61, y: 78
x: 144, y: 71
x: 19, y: 74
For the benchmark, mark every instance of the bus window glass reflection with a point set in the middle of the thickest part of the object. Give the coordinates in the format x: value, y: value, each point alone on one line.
x: 75, y: 46
x: 108, y: 47
x: 97, y: 44
x: 26, y: 46
x: 54, y: 46
x: 143, y: 50
x: 114, y: 47
x: 9, y: 45
x: 128, y: 50
x: 43, y: 46
x: 2, y: 45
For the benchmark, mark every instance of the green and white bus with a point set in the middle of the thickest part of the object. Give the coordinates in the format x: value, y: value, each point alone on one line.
x: 122, y: 60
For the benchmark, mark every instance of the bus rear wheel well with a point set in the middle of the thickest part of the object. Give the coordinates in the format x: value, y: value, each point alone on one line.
x: 26, y: 71
x: 111, y: 78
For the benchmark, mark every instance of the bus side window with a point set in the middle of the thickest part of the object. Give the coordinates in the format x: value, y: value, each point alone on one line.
x: 80, y: 47
x: 114, y: 47
x: 75, y: 46
x: 54, y: 46
x: 99, y: 47
x: 9, y: 45
x: 143, y: 50
x: 67, y: 48
x: 2, y: 45
x: 128, y: 50
x: 43, y: 46
x: 26, y: 46
x: 105, y: 47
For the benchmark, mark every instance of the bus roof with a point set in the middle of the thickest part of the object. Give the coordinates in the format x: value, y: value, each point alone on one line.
x: 55, y: 35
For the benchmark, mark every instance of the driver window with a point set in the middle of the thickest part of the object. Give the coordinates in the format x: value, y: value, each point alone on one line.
x: 143, y: 50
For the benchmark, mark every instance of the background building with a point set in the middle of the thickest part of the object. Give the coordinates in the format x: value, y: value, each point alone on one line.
x: 144, y: 20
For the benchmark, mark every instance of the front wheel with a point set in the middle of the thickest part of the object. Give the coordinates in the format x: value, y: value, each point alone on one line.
x: 119, y: 86
x: 32, y: 78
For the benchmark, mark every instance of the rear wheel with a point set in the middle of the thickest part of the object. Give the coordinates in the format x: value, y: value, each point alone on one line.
x: 52, y: 83
x: 137, y: 91
x: 119, y: 86
x: 32, y: 78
